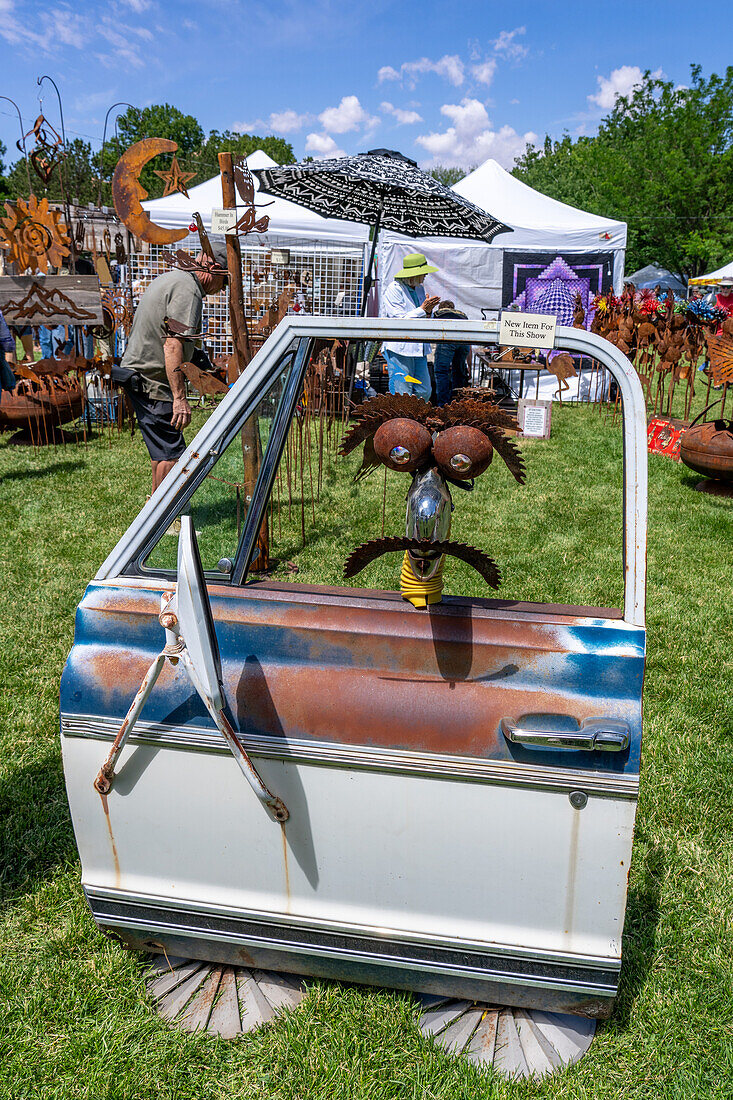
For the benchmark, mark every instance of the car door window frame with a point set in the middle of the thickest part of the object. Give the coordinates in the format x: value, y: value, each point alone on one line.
x: 138, y: 566
x: 260, y: 374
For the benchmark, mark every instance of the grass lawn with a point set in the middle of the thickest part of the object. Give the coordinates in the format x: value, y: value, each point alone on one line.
x: 74, y: 1017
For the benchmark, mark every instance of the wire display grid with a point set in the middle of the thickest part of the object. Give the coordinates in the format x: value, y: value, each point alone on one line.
x: 319, y: 278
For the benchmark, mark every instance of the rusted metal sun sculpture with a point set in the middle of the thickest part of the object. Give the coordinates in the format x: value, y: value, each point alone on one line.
x: 33, y: 235
x: 452, y: 444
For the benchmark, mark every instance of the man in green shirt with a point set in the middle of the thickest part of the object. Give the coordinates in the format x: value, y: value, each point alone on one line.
x: 167, y: 321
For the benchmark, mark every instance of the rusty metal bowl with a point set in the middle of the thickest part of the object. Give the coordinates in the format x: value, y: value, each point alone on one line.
x: 708, y: 449
x: 39, y: 408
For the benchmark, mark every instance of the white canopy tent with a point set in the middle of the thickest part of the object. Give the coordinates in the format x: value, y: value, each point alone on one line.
x: 287, y: 219
x: 545, y: 234
x: 321, y: 260
x: 472, y: 273
x: 723, y: 276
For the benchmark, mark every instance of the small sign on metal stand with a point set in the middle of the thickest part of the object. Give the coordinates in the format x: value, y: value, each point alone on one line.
x: 534, y: 418
x: 527, y: 330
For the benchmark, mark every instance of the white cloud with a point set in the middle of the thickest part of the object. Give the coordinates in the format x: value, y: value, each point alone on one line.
x: 401, y: 116
x: 385, y: 73
x: 450, y: 67
x: 279, y: 122
x: 286, y: 122
x: 138, y: 6
x: 322, y: 145
x: 55, y: 28
x: 621, y: 82
x: 506, y: 46
x: 471, y: 140
x: 349, y: 115
x: 484, y: 71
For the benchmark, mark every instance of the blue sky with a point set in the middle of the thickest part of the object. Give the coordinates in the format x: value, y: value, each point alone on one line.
x: 444, y: 83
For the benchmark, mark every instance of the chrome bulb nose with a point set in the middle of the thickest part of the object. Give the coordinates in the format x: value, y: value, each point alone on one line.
x: 400, y: 456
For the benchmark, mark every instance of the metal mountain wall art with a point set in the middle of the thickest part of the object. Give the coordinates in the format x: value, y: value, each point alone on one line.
x: 53, y: 300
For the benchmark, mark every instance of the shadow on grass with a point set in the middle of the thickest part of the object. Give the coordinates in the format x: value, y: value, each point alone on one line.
x: 35, y: 826
x: 640, y: 933
x: 692, y: 480
x: 47, y: 471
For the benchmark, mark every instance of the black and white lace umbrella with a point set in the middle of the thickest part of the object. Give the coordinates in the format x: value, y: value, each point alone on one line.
x: 385, y: 190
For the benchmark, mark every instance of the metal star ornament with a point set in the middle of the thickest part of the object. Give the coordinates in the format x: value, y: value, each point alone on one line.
x: 174, y: 178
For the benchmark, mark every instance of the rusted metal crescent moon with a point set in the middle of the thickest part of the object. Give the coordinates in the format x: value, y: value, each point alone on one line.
x: 128, y: 192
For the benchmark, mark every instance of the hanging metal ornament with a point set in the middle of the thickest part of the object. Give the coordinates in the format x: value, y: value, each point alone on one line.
x: 33, y: 235
x: 120, y: 253
x: 47, y: 151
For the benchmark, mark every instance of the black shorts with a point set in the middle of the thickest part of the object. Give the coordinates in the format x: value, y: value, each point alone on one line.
x: 164, y: 442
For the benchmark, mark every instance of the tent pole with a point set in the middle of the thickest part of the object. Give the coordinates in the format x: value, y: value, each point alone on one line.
x: 370, y: 265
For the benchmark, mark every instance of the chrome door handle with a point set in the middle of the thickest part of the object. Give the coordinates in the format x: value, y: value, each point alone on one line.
x: 594, y: 735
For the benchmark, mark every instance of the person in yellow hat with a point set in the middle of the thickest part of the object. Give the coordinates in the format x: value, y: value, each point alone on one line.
x: 405, y: 296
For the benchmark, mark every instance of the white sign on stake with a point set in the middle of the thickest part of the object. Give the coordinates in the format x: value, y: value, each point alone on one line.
x: 528, y: 330
x: 223, y: 221
x: 534, y: 418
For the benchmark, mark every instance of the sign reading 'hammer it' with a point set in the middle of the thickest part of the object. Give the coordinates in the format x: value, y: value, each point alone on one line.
x: 529, y: 330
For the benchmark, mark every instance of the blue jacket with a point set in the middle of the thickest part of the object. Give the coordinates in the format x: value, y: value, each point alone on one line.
x: 7, y: 340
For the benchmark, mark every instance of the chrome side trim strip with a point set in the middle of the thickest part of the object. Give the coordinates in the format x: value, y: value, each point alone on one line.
x: 329, y: 927
x: 482, y: 962
x: 362, y: 758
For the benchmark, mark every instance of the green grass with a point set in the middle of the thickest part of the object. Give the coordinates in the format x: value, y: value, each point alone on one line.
x: 74, y: 1017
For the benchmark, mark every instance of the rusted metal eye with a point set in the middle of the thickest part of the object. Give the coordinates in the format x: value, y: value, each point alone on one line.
x: 462, y: 452
x: 403, y: 444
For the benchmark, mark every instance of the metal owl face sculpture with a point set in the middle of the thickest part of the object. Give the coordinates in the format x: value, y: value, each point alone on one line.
x: 438, y: 446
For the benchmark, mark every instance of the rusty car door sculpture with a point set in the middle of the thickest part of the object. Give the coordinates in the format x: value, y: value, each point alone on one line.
x: 460, y: 782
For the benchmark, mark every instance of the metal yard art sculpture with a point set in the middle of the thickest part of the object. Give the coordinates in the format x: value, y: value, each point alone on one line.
x: 33, y: 235
x: 128, y: 192
x: 666, y: 340
x: 438, y: 446
x: 47, y: 151
x: 47, y: 396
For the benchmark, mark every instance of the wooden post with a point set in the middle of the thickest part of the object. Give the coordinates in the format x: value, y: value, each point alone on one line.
x: 237, y: 317
x: 251, y: 445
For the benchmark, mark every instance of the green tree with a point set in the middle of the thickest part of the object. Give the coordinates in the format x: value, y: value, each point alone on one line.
x: 196, y: 153
x: 447, y: 176
x: 76, y: 169
x: 159, y: 120
x: 662, y: 161
x: 243, y: 144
